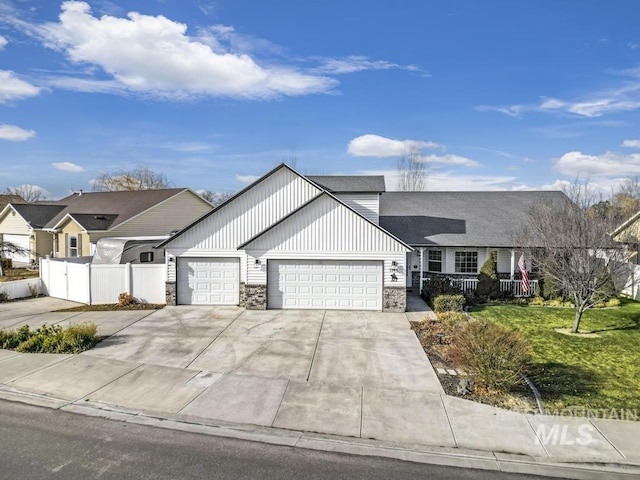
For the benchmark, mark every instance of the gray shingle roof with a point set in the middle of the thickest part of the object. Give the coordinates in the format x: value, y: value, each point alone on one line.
x: 460, y: 219
x: 118, y: 207
x: 37, y: 214
x: 349, y: 183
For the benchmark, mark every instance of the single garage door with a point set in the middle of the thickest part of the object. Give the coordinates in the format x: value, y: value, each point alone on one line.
x: 208, y: 281
x: 325, y: 284
x: 21, y: 241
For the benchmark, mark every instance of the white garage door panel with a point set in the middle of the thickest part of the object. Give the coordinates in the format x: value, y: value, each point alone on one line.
x: 21, y: 241
x: 208, y: 281
x: 325, y: 284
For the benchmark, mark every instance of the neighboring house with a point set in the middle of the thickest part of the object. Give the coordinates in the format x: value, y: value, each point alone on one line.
x: 628, y: 233
x: 7, y: 199
x: 290, y: 241
x: 24, y: 225
x: 453, y: 233
x: 71, y: 227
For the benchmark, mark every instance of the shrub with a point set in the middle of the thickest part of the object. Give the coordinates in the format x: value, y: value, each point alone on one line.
x: 125, y: 299
x: 4, y: 297
x: 556, y: 302
x: 449, y: 303
x: 536, y: 302
x: 488, y: 281
x: 438, y: 285
x: 80, y: 337
x: 10, y: 339
x: 34, y: 290
x: 50, y: 339
x: 495, y: 356
x: 614, y: 302
x: 549, y: 288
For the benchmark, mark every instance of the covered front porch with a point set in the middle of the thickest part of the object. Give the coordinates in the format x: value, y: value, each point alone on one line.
x: 462, y: 265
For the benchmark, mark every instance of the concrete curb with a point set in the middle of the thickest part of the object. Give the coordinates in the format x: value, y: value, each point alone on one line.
x: 455, y: 457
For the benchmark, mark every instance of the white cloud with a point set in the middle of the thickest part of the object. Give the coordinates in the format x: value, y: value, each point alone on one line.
x: 631, y: 143
x: 618, y: 99
x: 370, y: 145
x: 3, y: 42
x: 67, y: 167
x: 247, y: 178
x: 155, y: 56
x: 609, y: 164
x: 448, y: 159
x: 12, y: 88
x: 358, y: 63
x: 15, y: 134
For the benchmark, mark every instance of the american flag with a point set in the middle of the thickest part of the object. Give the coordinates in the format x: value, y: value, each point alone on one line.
x: 522, y: 265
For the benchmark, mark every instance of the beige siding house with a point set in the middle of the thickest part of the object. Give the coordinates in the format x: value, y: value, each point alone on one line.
x: 71, y: 227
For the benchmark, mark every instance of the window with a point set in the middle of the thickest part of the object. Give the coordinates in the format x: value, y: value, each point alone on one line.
x: 435, y: 261
x: 73, y: 246
x: 146, y: 257
x: 466, y: 262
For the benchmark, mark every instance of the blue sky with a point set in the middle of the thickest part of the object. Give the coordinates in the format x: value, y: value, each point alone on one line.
x: 492, y: 94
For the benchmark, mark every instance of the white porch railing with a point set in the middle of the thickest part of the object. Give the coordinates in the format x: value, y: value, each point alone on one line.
x: 514, y: 287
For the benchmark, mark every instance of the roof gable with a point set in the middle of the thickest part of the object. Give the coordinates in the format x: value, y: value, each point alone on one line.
x: 35, y: 214
x: 313, y: 225
x: 253, y: 209
x: 118, y: 207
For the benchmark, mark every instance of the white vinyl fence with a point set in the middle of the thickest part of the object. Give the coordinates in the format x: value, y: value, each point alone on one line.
x: 22, y: 288
x: 96, y: 284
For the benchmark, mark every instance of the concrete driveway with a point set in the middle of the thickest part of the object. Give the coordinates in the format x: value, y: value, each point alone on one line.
x: 358, y: 374
x: 321, y: 347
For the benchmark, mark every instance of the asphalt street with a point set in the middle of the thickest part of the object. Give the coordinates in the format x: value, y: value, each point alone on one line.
x: 39, y: 443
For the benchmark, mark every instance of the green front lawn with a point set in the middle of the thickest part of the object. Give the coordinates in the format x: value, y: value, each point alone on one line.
x: 598, y: 371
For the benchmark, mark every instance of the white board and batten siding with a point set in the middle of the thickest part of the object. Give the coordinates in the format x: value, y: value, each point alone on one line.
x: 366, y: 204
x: 225, y: 229
x: 326, y: 230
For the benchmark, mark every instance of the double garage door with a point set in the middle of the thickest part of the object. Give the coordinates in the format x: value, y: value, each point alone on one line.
x: 208, y: 281
x: 324, y: 284
x: 291, y: 284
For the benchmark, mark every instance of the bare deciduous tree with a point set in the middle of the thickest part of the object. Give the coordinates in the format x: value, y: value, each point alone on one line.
x: 9, y: 248
x: 573, y: 248
x: 412, y: 172
x: 215, y: 198
x: 28, y: 193
x: 139, y: 178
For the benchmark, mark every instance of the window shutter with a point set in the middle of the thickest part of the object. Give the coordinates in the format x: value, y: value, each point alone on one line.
x: 66, y: 244
x: 79, y: 245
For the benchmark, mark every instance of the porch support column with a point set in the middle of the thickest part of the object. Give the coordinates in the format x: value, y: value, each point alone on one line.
x: 421, y: 269
x: 513, y: 262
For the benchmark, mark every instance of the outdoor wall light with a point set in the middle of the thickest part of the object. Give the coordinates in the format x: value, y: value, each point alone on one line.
x: 257, y: 261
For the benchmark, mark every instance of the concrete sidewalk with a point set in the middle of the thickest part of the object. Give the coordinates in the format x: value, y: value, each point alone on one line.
x: 355, y: 382
x: 422, y: 426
